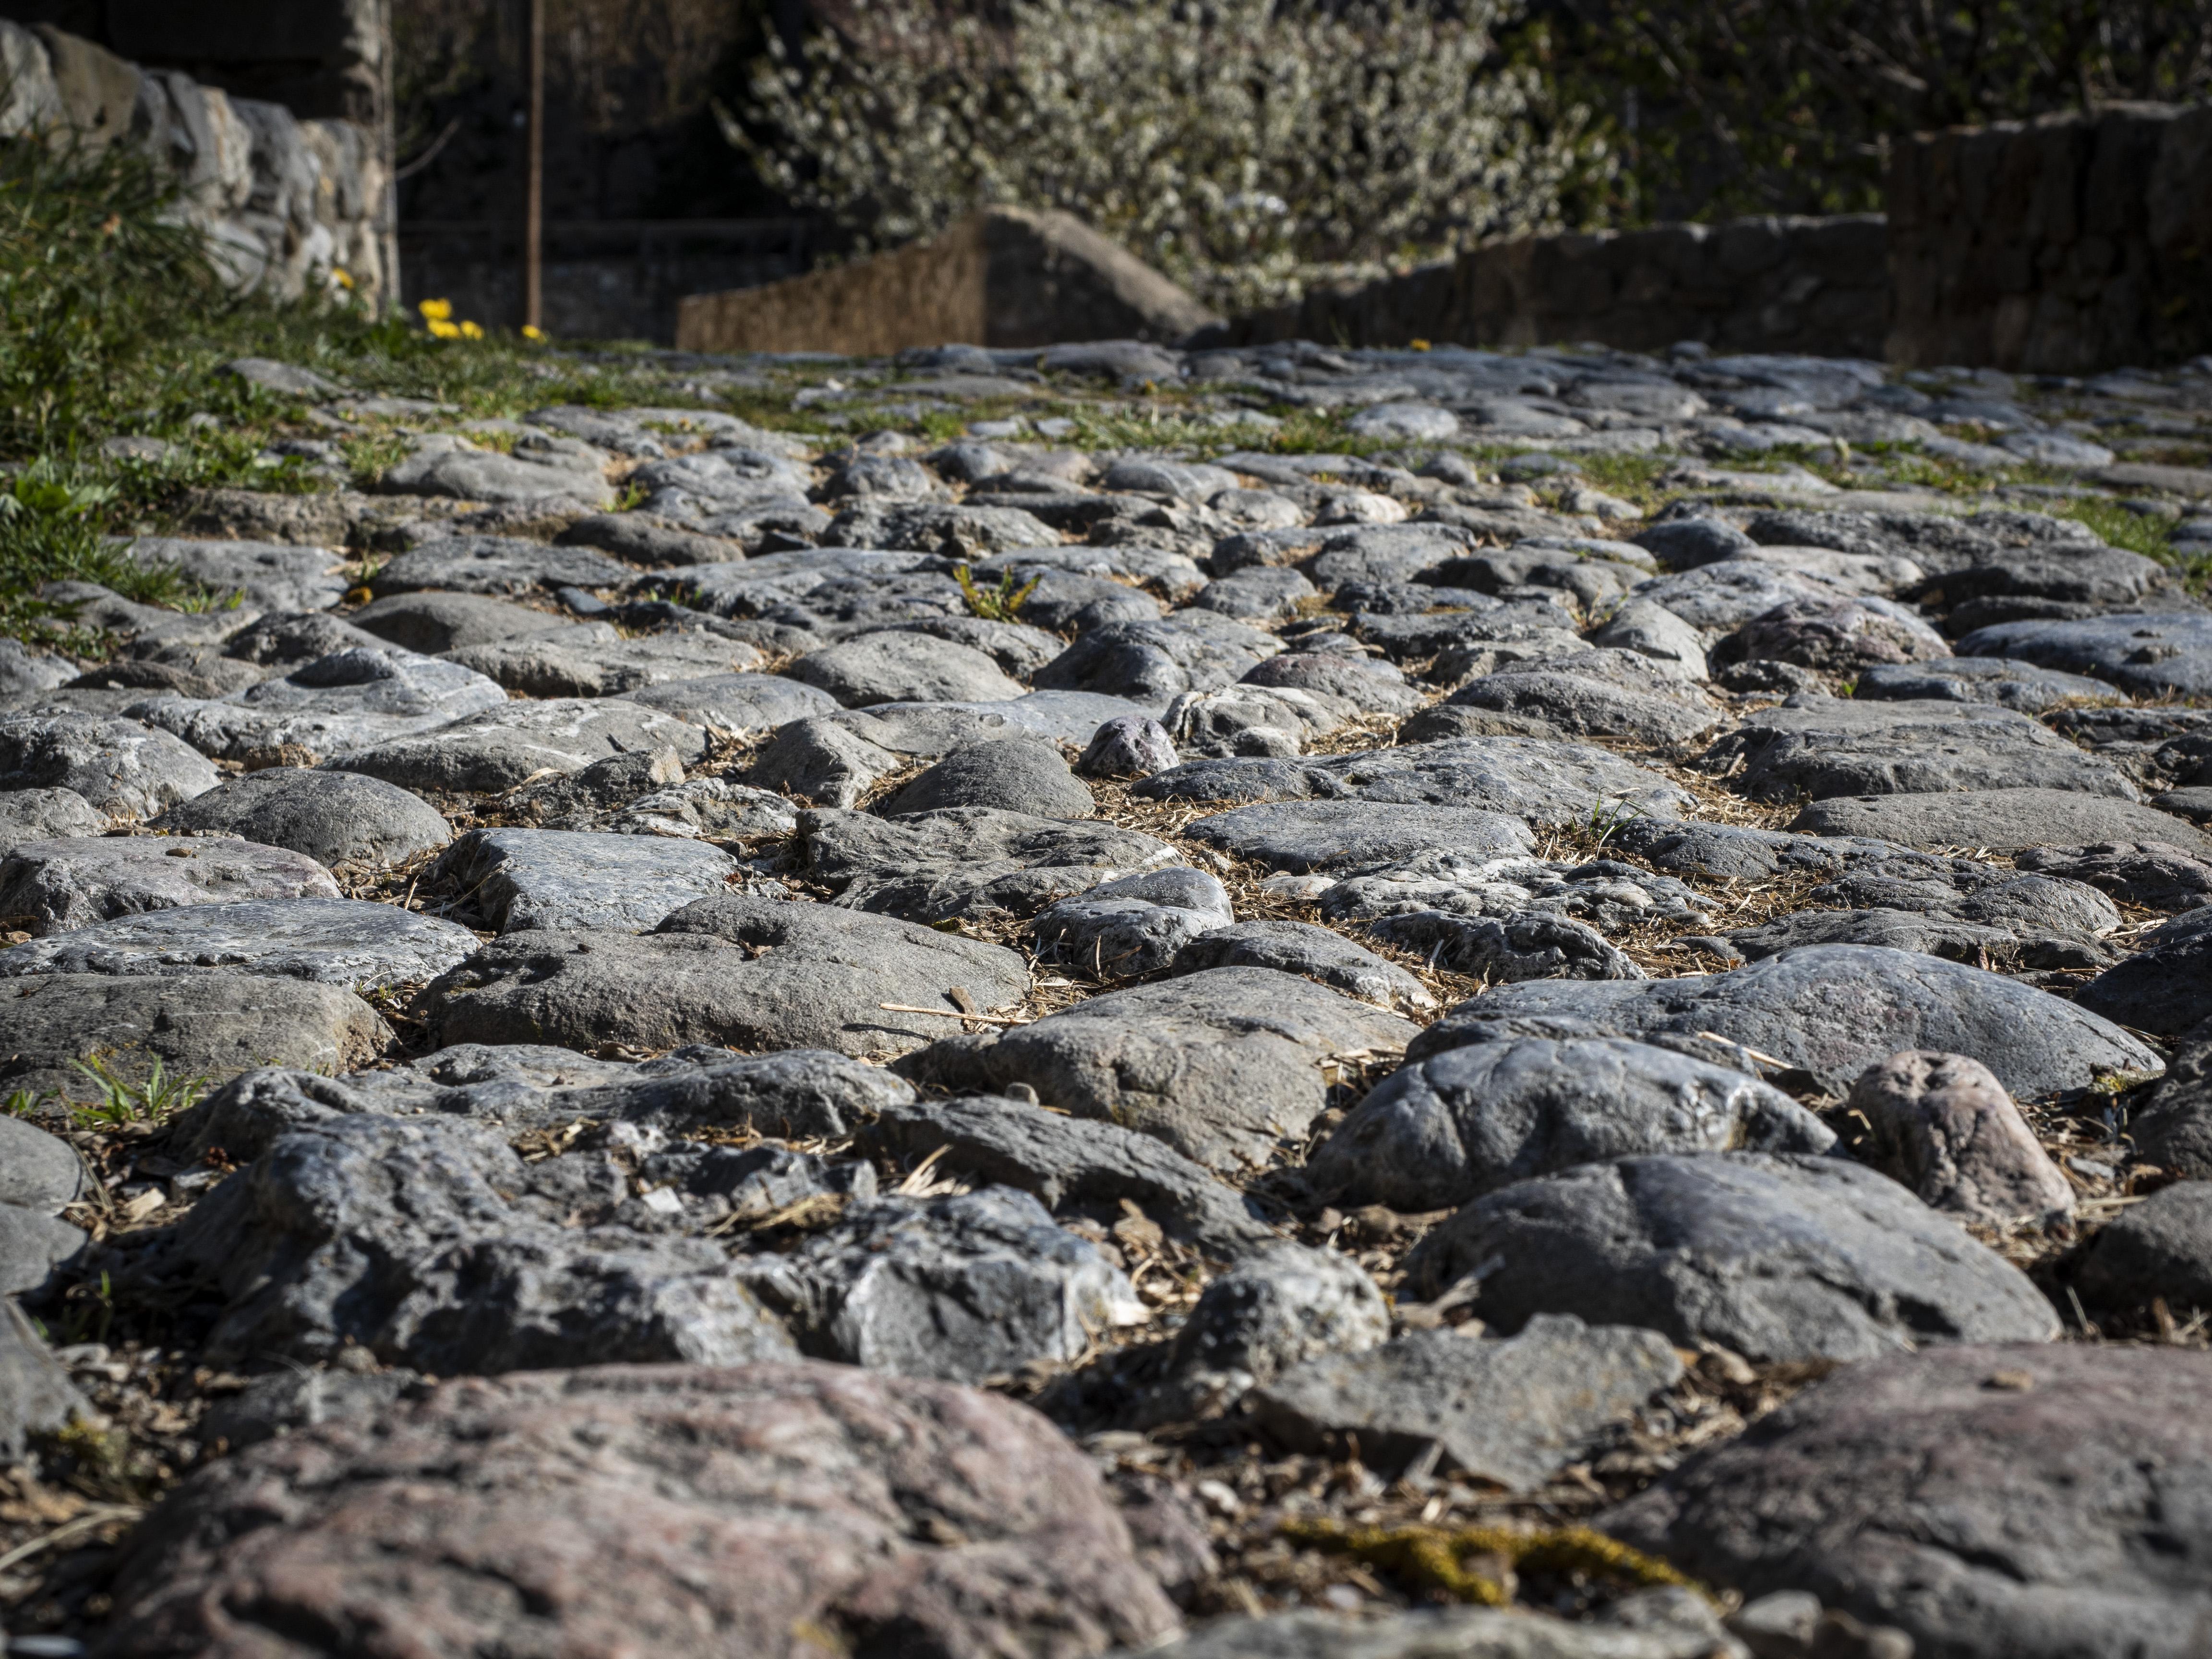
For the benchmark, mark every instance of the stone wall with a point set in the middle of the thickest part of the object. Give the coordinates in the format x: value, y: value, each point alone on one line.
x: 1770, y: 284
x: 285, y: 201
x: 1004, y: 277
x: 2063, y: 245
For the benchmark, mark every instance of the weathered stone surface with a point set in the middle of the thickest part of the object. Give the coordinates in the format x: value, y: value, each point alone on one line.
x: 44, y: 815
x: 2003, y: 680
x: 1673, y: 1629
x: 2166, y: 987
x: 1132, y: 925
x: 335, y: 704
x: 1832, y: 1009
x: 1152, y: 663
x: 1128, y: 746
x: 521, y: 879
x: 33, y: 1245
x: 2157, y: 875
x: 38, y: 1171
x: 119, y: 767
x: 1012, y: 774
x: 332, y: 817
x: 647, y: 542
x: 753, y: 974
x: 1983, y: 1499
x: 36, y: 1395
x: 1223, y: 1065
x: 540, y: 466
x: 1722, y: 596
x: 792, y: 1093
x: 1687, y: 542
x: 822, y: 761
x: 1072, y: 1164
x: 799, y: 1484
x: 2145, y: 655
x: 1543, y: 783
x: 1312, y: 952
x: 1651, y: 630
x: 1999, y: 820
x: 503, y: 747
x: 920, y: 525
x: 435, y: 622
x: 735, y: 703
x: 898, y: 667
x: 1366, y: 682
x: 1514, y: 1412
x: 2161, y: 1247
x: 268, y: 576
x: 1355, y: 835
x: 1445, y: 1130
x: 333, y: 941
x: 958, y: 1289
x: 593, y: 660
x: 1817, y: 748
x: 24, y: 670
x: 1522, y: 945
x: 970, y: 862
x: 51, y: 886
x: 1775, y: 1258
x: 285, y: 640
x: 208, y: 1023
x: 1278, y: 1308
x: 428, y: 1242
x: 1940, y: 934
x: 1832, y: 635
x: 1582, y: 704
x: 495, y: 565
x: 1941, y: 1125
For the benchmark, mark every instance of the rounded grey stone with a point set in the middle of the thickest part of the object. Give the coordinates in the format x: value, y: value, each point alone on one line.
x: 1014, y: 775
x: 897, y: 667
x: 1312, y: 952
x: 333, y: 817
x: 518, y: 880
x: 120, y: 767
x: 735, y: 703
x: 38, y: 1171
x: 1443, y: 1131
x: 334, y: 941
x: 44, y: 815
x: 1985, y: 1500
x: 51, y: 886
x: 1774, y: 1258
x: 1832, y: 1009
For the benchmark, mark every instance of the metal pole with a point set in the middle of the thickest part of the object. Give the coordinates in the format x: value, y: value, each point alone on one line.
x: 388, y: 138
x: 533, y: 213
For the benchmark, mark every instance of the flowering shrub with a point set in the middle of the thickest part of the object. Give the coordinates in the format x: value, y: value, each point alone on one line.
x: 1243, y: 147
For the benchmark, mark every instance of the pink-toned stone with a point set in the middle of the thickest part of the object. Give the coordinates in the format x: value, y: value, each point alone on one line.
x: 1944, y: 1126
x: 754, y: 1512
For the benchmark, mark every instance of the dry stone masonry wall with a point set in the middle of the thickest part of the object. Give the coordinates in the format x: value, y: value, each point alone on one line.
x: 285, y: 201
x: 2062, y: 245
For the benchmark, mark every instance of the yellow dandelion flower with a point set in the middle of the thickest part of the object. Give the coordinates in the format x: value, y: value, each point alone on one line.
x: 436, y: 311
x: 1420, y: 345
x: 342, y: 276
x: 532, y: 332
x: 440, y: 329
x: 471, y: 331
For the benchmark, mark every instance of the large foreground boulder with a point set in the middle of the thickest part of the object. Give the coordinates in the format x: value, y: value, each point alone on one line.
x: 763, y: 1512
x: 2039, y: 1503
